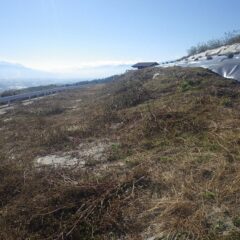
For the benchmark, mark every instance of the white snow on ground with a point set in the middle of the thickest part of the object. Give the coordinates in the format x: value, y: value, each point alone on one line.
x: 224, y: 50
x: 4, y: 109
x: 55, y: 160
x: 218, y: 60
x: 87, y: 153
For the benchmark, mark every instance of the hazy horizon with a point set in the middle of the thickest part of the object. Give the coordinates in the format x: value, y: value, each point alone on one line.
x: 77, y: 38
x: 13, y: 70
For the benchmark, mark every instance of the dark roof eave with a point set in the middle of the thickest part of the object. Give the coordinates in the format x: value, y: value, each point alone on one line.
x: 145, y: 64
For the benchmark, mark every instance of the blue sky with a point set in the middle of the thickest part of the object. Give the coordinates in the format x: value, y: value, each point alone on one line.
x: 67, y: 34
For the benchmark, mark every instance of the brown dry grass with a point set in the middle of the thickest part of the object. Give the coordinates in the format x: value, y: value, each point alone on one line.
x: 178, y: 140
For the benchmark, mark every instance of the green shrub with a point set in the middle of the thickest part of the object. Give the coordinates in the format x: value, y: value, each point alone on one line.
x: 52, y: 110
x: 115, y: 152
x: 186, y: 85
x: 209, y: 195
x: 227, y: 102
x: 236, y: 221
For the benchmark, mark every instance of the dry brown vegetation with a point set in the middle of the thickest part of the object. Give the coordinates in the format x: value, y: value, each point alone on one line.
x: 172, y: 168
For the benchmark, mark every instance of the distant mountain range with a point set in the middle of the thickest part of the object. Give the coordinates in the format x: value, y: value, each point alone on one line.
x: 17, y: 76
x: 18, y: 71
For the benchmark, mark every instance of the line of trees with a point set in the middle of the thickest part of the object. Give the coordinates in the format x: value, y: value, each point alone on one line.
x: 229, y: 38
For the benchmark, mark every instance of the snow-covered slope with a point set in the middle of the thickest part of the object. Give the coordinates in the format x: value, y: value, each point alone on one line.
x: 224, y: 61
x: 221, y: 51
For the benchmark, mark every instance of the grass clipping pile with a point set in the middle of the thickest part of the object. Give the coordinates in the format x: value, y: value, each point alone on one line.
x: 172, y: 171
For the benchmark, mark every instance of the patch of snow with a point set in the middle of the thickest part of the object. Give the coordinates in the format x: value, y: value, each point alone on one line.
x: 156, y: 75
x: 115, y: 126
x: 5, y: 109
x: 220, y: 221
x: 7, y: 120
x: 94, y: 150
x: 27, y: 102
x: 54, y: 160
x: 87, y: 153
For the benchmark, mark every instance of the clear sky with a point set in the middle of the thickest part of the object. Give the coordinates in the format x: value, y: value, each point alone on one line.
x: 61, y: 34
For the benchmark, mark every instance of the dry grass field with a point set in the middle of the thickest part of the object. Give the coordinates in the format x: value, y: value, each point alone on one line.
x: 153, y: 155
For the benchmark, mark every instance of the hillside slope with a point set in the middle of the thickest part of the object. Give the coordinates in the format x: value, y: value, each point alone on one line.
x: 151, y: 155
